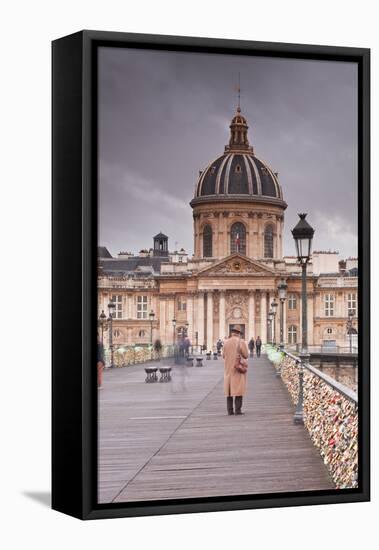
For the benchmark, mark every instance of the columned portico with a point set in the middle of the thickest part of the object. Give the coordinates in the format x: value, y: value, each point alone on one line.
x: 263, y: 334
x: 221, y: 330
x: 190, y: 332
x: 251, y: 331
x: 209, y: 320
x: 200, y: 317
x: 162, y: 319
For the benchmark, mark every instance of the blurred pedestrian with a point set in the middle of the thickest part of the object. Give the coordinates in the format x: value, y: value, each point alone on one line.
x: 251, y: 346
x: 258, y: 345
x: 100, y: 362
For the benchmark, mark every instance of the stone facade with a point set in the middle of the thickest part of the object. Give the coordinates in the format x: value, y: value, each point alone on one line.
x: 234, y: 273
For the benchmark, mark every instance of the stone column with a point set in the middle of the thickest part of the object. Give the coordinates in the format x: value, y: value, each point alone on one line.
x: 170, y: 317
x: 225, y: 237
x: 209, y: 320
x: 251, y: 322
x: 278, y: 233
x: 162, y: 320
x: 263, y: 334
x: 200, y: 317
x: 190, y: 317
x: 130, y: 307
x: 222, y: 330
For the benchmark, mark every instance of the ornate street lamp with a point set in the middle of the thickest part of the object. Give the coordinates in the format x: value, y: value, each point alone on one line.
x: 274, y: 305
x: 269, y: 319
x: 102, y: 322
x: 303, y: 235
x: 151, y: 319
x: 282, y: 291
x: 111, y: 309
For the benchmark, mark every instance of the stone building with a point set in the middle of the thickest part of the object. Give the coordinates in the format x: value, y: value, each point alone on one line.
x: 233, y: 275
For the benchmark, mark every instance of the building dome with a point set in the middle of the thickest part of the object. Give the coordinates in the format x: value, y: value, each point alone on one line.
x: 238, y: 174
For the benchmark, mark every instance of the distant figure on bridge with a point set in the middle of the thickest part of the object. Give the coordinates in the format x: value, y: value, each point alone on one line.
x: 258, y: 345
x: 100, y: 362
x: 219, y: 345
x: 251, y: 346
x: 187, y: 344
x: 234, y: 381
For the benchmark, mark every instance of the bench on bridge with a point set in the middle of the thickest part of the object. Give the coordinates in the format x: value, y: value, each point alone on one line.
x: 151, y: 374
x: 208, y: 354
x: 215, y: 355
x: 165, y: 374
x: 190, y: 361
x: 199, y: 362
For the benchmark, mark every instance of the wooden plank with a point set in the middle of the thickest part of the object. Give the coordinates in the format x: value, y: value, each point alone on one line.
x: 175, y: 440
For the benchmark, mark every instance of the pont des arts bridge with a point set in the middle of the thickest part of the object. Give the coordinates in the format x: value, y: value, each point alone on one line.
x: 175, y: 440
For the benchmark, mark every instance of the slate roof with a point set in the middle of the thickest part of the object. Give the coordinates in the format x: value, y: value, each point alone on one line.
x: 103, y: 252
x: 238, y: 174
x: 132, y: 265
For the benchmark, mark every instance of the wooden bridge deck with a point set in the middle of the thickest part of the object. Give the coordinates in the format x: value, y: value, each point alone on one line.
x: 175, y: 440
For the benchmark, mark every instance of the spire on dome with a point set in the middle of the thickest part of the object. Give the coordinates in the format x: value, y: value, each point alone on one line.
x: 238, y: 128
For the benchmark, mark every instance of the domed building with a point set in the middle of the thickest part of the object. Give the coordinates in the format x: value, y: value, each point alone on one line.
x: 234, y: 273
x: 238, y: 204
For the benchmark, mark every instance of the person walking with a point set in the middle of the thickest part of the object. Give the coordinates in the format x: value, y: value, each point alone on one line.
x: 219, y: 346
x: 251, y: 346
x: 258, y: 345
x: 234, y: 381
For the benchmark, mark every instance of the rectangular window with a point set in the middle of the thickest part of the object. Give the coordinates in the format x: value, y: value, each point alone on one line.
x: 117, y: 300
x: 329, y: 305
x: 292, y: 301
x: 352, y: 303
x: 292, y: 334
x: 141, y: 307
x: 182, y: 304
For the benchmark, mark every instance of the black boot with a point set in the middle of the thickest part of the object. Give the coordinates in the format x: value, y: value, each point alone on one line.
x: 229, y: 405
x: 238, y: 404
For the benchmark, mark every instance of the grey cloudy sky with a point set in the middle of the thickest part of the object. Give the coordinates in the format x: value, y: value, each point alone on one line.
x: 163, y: 116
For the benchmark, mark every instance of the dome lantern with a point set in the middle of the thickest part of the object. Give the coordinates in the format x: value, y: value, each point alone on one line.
x: 238, y: 134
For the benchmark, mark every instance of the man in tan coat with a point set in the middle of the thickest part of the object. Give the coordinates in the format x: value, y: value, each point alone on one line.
x: 234, y: 381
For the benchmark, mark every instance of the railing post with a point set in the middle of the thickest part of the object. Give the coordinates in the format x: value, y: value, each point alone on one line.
x: 278, y: 371
x: 299, y: 413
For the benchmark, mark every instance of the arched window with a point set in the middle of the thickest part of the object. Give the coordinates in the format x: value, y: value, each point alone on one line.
x: 292, y: 334
x: 207, y: 241
x: 269, y: 242
x: 238, y: 238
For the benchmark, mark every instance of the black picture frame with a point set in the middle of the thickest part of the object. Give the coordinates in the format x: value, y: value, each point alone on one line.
x: 74, y: 205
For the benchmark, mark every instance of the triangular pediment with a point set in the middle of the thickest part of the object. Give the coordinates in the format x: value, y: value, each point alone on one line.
x: 236, y: 264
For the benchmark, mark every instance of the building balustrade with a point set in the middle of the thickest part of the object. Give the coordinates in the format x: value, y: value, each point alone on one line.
x: 132, y: 355
x: 329, y: 411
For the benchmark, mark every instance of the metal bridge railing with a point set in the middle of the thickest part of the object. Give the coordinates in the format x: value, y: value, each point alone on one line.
x: 329, y: 411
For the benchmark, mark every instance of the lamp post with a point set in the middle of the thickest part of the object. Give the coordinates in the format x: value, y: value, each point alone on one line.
x: 282, y: 290
x: 187, y: 326
x: 349, y: 326
x: 102, y: 321
x: 303, y: 235
x: 111, y: 308
x: 269, y: 319
x: 151, y: 319
x: 274, y: 305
